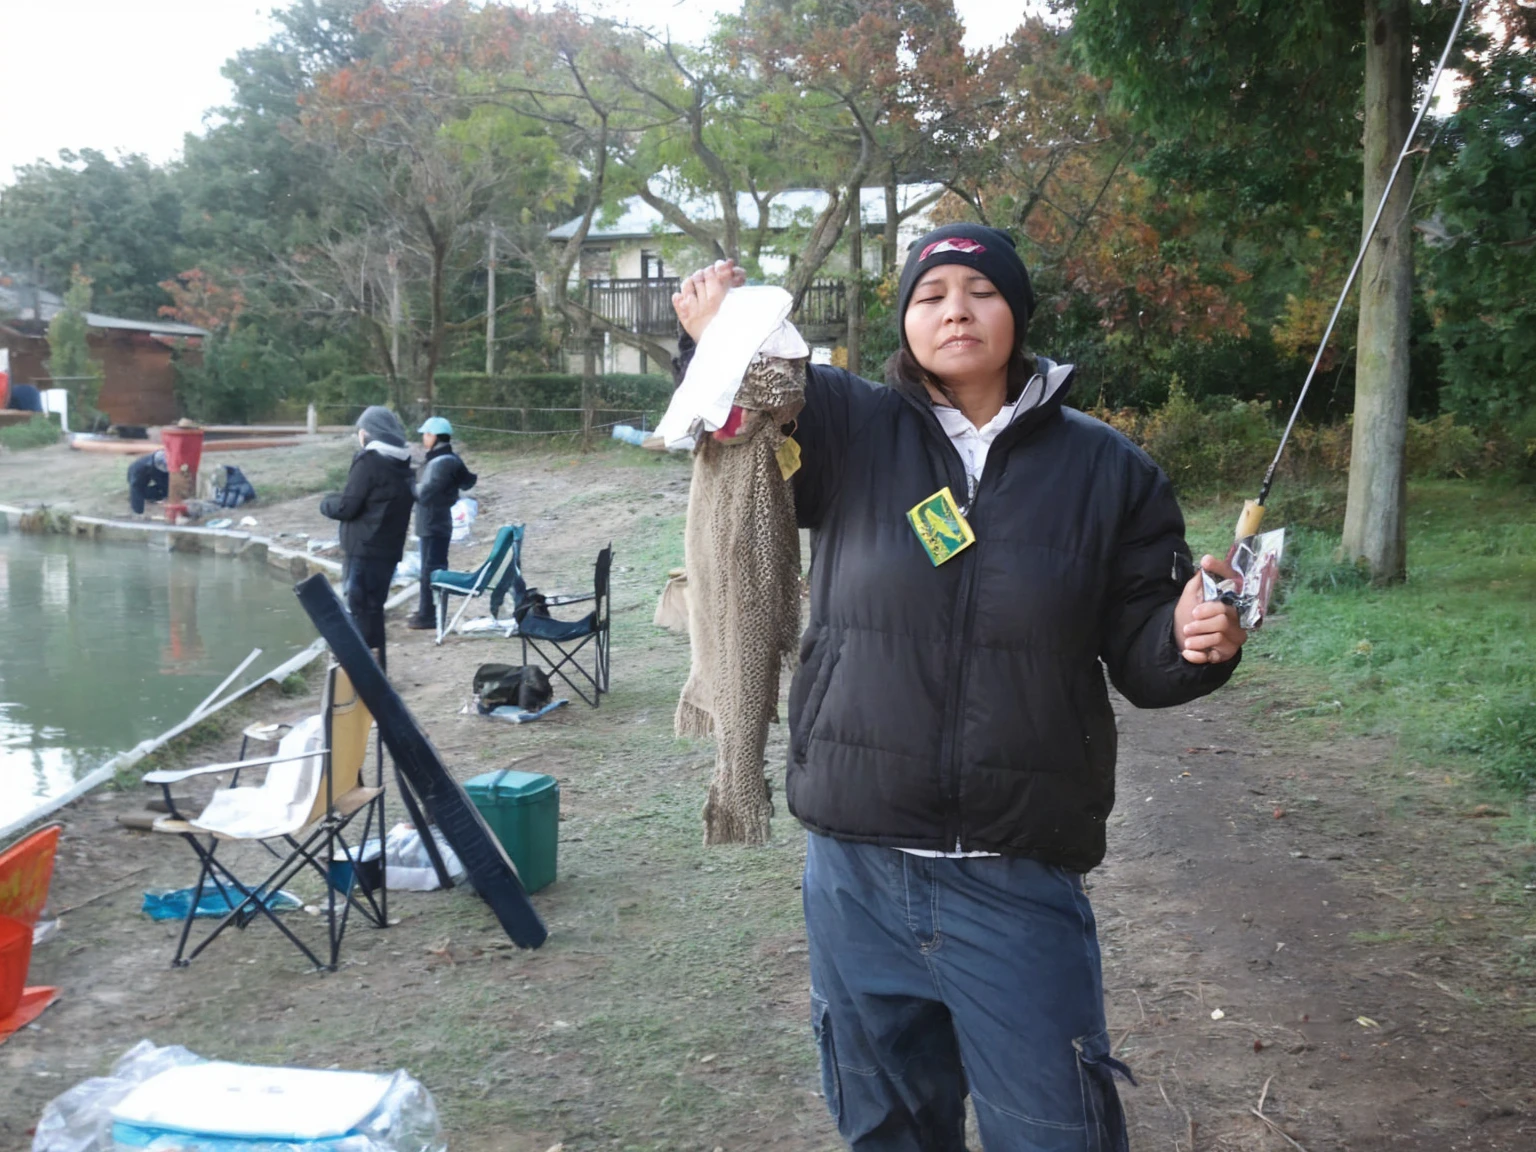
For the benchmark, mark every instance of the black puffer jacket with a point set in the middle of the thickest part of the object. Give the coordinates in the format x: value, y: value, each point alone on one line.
x: 964, y: 706
x: 443, y: 477
x: 374, y: 508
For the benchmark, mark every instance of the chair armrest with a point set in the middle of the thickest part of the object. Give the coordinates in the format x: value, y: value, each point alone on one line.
x: 171, y: 776
x: 557, y: 601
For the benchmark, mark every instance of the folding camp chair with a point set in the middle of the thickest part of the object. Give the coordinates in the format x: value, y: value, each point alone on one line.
x: 569, y: 637
x: 301, y: 813
x: 495, y: 575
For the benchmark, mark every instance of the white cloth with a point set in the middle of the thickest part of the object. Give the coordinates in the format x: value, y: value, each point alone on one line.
x: 751, y: 321
x: 283, y: 801
x: 393, y: 451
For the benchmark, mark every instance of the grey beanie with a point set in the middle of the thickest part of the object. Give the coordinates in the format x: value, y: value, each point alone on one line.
x: 379, y: 423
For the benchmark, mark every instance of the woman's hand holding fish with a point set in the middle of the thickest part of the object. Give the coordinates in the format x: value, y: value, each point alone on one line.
x: 699, y: 296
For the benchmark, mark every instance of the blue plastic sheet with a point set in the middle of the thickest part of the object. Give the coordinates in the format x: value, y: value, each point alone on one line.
x: 211, y: 902
x: 518, y: 716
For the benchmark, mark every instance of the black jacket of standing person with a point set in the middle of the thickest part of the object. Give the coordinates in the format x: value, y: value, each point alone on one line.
x: 375, y: 506
x: 443, y: 477
x: 963, y: 707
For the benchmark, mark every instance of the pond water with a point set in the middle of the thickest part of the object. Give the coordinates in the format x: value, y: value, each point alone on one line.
x: 105, y: 645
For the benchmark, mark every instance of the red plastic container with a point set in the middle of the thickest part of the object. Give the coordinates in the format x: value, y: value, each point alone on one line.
x: 15, y: 958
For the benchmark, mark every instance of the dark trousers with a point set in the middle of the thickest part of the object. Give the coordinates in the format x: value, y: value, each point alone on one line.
x: 366, y: 583
x: 434, y: 557
x: 152, y: 487
x: 931, y: 977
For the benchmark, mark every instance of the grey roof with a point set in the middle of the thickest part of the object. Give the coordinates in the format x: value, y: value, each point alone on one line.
x: 635, y: 219
x: 21, y: 301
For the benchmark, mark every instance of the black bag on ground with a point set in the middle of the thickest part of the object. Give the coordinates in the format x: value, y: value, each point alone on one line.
x: 533, y: 604
x: 522, y: 686
x: 236, y: 489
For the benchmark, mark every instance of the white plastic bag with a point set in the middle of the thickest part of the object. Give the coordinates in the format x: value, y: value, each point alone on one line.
x: 81, y: 1120
x: 407, y: 865
x: 464, y: 511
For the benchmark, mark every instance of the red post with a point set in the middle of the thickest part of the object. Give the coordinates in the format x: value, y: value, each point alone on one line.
x: 183, y: 453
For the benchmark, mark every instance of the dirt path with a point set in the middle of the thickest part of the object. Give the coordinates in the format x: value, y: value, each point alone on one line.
x: 1365, y: 946
x: 1360, y: 934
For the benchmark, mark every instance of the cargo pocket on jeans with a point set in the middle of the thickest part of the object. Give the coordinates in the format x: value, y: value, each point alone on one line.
x: 1104, y: 1117
x: 831, y: 1085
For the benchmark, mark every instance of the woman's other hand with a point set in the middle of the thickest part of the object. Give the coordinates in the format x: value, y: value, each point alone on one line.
x: 1207, y: 631
x: 699, y: 296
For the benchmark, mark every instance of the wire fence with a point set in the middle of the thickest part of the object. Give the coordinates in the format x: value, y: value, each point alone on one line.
x: 517, y: 421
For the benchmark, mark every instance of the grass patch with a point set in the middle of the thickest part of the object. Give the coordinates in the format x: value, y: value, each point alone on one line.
x: 1377, y: 937
x: 38, y: 432
x: 1444, y: 660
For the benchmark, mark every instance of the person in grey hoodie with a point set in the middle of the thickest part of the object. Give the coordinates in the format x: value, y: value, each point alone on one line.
x: 375, y: 513
x: 443, y: 477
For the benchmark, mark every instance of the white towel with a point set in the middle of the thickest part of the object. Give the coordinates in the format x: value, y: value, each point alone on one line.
x: 751, y: 321
x: 283, y: 802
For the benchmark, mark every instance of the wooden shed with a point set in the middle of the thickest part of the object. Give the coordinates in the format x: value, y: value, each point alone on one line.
x: 137, y: 357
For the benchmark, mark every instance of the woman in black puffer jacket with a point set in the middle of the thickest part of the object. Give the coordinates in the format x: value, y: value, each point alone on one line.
x: 982, y: 556
x: 375, y: 513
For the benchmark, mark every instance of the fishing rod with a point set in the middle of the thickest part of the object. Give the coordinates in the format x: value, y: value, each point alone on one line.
x: 1252, y: 516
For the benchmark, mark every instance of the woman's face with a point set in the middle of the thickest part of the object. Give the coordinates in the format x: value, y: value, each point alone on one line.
x: 958, y: 324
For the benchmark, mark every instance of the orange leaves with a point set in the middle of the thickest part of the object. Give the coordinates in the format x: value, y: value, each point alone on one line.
x: 1136, y: 287
x: 198, y: 299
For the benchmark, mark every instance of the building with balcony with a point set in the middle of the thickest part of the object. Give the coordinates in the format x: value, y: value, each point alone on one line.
x: 632, y: 259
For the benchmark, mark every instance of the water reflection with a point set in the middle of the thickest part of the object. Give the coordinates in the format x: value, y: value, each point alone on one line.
x: 102, y: 646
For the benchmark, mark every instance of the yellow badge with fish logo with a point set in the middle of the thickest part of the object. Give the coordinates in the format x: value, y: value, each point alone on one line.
x: 941, y: 528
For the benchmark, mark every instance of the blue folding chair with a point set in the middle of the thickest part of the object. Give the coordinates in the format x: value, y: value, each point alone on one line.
x: 569, y: 638
x: 496, y: 576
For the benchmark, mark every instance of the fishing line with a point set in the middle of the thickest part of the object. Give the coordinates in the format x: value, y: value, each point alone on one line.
x: 1269, y: 475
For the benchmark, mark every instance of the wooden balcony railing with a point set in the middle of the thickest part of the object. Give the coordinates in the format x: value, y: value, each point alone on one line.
x: 825, y: 305
x: 645, y: 306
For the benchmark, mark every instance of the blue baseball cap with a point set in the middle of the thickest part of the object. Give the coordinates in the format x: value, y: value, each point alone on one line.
x: 437, y: 426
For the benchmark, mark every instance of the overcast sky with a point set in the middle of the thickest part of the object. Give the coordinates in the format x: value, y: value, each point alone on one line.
x: 135, y: 75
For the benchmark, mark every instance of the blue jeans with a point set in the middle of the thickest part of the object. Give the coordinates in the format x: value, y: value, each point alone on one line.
x: 931, y: 977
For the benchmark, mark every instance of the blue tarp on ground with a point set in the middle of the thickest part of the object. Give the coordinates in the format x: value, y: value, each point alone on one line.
x: 173, y: 905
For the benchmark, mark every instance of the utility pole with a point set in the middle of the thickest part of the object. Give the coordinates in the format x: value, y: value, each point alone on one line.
x: 855, y: 296
x: 393, y: 260
x: 490, y: 305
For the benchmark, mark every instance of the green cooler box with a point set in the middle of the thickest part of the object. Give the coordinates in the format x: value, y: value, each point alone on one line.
x: 523, y: 810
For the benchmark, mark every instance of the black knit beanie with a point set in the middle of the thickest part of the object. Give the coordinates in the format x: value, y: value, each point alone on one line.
x: 988, y: 250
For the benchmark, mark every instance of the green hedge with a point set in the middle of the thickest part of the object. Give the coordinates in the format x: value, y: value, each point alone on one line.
x: 470, y: 389
x: 38, y: 432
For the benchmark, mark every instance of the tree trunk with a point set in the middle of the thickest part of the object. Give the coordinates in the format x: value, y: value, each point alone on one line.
x: 855, y: 281
x: 1374, y: 517
x: 588, y: 383
x: 891, y: 240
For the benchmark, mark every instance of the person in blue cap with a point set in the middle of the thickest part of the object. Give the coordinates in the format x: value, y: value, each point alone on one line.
x: 443, y: 477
